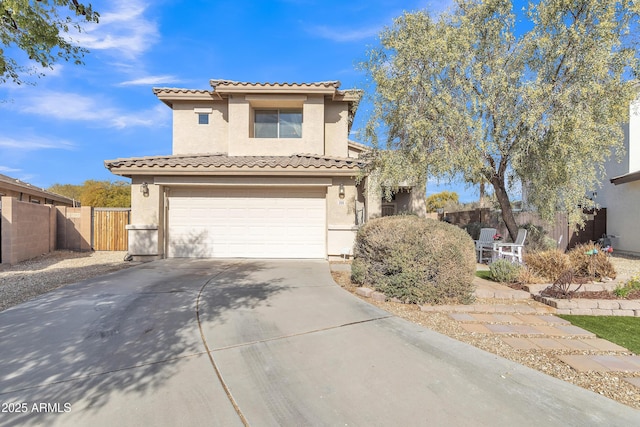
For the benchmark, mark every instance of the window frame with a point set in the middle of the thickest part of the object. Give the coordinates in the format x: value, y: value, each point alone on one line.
x: 278, y: 123
x: 203, y: 119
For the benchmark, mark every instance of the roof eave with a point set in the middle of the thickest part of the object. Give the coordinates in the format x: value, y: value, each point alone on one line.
x: 168, y: 96
x: 623, y: 179
x: 35, y: 191
x: 273, y: 171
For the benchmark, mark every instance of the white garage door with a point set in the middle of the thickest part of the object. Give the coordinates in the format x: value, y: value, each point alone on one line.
x: 247, y: 223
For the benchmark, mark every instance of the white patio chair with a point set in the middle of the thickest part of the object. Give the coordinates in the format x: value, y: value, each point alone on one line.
x: 513, y: 250
x: 485, y: 243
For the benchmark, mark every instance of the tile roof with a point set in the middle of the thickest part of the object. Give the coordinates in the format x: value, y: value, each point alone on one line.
x: 328, y: 84
x: 219, y: 161
x: 177, y: 90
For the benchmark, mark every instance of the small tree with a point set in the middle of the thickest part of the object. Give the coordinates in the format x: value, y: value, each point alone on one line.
x: 97, y: 193
x: 39, y: 29
x: 440, y: 200
x: 468, y: 96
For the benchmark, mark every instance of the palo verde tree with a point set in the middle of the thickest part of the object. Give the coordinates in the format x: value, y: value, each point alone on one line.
x: 470, y: 95
x: 40, y: 29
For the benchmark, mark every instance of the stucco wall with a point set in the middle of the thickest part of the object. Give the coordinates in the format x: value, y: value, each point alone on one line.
x: 324, y: 127
x: 622, y: 216
x: 189, y: 137
x: 336, y: 129
x: 74, y: 228
x: 240, y: 126
x: 28, y: 230
x: 146, y: 231
x: 341, y: 217
x: 623, y: 200
x: 634, y: 136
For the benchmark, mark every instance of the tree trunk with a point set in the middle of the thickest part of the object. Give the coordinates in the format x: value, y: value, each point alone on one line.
x: 505, y: 205
x: 482, y: 194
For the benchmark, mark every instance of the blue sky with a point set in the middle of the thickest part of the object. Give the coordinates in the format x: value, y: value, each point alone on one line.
x: 61, y: 129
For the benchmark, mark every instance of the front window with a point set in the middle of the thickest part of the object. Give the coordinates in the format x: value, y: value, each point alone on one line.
x: 278, y: 124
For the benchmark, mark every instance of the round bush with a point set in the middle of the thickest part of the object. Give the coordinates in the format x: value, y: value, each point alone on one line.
x: 504, y: 271
x: 547, y: 264
x: 416, y: 260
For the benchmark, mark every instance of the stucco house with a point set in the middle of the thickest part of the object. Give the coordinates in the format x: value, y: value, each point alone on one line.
x: 258, y: 170
x: 620, y: 194
x: 25, y: 192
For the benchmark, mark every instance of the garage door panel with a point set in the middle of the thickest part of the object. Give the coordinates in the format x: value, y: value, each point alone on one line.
x: 253, y: 223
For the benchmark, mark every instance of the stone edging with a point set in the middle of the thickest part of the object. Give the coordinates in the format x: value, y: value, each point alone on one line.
x: 592, y: 307
x: 370, y: 293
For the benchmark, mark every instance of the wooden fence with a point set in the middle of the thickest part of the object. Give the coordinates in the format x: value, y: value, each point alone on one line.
x: 559, y: 230
x: 109, y: 229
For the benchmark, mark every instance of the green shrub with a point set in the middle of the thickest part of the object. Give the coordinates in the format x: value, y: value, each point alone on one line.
x: 547, y: 264
x: 416, y: 260
x: 587, y: 264
x: 504, y: 271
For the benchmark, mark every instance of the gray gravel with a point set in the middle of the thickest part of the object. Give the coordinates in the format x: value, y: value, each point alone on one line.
x: 23, y: 281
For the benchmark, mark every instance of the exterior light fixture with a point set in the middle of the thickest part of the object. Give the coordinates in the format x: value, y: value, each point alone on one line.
x: 144, y: 189
x: 341, y: 191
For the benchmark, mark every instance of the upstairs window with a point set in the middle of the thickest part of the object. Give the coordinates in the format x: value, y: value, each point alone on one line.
x: 203, y: 119
x: 203, y: 114
x: 278, y: 124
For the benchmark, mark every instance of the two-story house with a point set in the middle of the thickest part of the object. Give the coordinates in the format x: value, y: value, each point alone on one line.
x: 258, y: 170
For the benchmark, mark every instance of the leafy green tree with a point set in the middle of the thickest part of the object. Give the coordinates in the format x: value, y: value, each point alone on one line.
x: 440, y: 200
x: 104, y: 194
x: 39, y: 28
x: 68, y: 190
x: 466, y: 95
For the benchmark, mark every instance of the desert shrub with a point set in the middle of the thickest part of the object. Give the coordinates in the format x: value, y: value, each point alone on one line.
x: 416, y: 260
x: 504, y: 271
x: 548, y: 265
x: 526, y: 276
x: 596, y: 265
x: 473, y: 228
x: 537, y: 239
x: 358, y: 269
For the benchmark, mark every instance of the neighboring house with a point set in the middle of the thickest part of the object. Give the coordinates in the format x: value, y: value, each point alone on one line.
x: 258, y: 170
x: 621, y: 193
x: 24, y: 192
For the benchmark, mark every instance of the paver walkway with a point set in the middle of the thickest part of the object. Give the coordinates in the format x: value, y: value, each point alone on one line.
x: 531, y: 326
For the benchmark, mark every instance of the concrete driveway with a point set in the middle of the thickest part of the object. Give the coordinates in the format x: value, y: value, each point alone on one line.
x: 204, y: 342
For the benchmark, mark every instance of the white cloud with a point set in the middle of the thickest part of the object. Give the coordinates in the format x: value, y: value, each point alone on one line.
x: 30, y: 143
x: 159, y: 115
x: 342, y: 35
x: 71, y: 106
x: 6, y: 169
x: 124, y: 30
x: 151, y: 80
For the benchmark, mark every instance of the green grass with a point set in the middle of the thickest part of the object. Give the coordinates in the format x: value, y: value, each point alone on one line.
x: 624, y: 331
x: 484, y: 274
